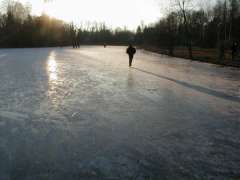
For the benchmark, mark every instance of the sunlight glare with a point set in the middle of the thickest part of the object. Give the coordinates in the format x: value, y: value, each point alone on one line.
x: 115, y: 13
x: 52, y: 67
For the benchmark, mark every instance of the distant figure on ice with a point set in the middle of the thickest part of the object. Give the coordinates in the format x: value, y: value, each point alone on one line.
x: 234, y: 50
x: 105, y: 45
x: 130, y: 51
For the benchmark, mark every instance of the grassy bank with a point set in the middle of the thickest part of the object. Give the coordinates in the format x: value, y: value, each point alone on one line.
x: 199, y: 54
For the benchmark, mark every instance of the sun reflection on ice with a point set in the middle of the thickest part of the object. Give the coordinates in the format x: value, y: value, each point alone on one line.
x: 53, y: 79
x: 52, y: 68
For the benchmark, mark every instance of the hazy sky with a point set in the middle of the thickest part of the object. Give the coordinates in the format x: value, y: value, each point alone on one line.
x: 115, y: 13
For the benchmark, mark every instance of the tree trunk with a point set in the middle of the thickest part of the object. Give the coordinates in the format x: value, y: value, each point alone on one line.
x: 188, y: 37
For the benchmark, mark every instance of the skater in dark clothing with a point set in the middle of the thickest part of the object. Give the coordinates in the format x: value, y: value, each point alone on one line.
x: 130, y: 51
x: 234, y: 50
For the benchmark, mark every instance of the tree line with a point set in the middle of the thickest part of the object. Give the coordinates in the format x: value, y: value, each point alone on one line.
x: 183, y: 26
x: 20, y: 29
x: 216, y: 27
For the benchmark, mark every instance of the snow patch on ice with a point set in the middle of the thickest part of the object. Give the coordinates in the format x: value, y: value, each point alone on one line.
x: 2, y: 55
x: 13, y: 115
x: 2, y: 123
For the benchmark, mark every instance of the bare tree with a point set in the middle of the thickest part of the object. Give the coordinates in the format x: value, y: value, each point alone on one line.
x: 221, y: 14
x: 184, y: 8
x: 172, y: 26
x: 233, y: 13
x: 16, y: 9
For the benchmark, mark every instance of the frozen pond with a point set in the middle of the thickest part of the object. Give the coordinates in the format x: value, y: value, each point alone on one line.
x: 70, y: 114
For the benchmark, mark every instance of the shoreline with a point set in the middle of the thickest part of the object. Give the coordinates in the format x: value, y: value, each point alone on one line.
x: 182, y: 54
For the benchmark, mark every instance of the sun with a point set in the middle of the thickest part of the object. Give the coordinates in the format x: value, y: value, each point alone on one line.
x: 114, y: 13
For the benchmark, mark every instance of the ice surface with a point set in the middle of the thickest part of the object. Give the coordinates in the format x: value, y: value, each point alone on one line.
x: 83, y: 114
